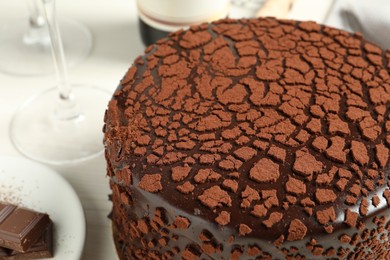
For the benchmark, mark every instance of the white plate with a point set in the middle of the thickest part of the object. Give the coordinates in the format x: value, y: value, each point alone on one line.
x: 32, y: 185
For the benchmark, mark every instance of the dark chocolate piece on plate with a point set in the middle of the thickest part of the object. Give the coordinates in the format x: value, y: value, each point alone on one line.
x: 4, y: 252
x: 20, y: 228
x: 43, y: 248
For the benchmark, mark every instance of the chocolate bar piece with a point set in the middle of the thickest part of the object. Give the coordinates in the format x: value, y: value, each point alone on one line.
x: 43, y: 248
x: 4, y: 252
x: 20, y: 228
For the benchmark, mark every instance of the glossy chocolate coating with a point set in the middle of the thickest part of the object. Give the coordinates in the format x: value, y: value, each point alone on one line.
x: 252, y: 138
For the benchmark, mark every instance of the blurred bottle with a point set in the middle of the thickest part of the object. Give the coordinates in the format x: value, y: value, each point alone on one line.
x: 157, y: 18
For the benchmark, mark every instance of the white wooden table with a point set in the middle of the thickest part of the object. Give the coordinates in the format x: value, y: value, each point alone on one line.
x: 116, y: 43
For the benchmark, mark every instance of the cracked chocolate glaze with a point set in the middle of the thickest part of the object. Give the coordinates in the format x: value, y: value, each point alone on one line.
x: 271, y: 135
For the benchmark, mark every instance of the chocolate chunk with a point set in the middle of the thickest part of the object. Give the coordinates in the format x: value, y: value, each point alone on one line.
x: 20, y: 228
x: 42, y: 248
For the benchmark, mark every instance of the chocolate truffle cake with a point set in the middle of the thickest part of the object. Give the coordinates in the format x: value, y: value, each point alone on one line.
x: 252, y: 139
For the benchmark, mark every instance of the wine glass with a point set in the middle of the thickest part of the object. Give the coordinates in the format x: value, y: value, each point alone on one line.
x: 63, y: 124
x: 23, y: 43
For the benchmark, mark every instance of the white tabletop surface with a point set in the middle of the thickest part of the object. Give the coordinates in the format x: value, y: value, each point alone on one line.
x: 116, y: 43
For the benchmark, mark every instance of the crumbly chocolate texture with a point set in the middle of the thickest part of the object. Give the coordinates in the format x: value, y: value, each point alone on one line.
x: 274, y: 131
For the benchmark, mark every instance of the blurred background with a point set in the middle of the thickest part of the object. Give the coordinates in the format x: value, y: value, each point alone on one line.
x: 116, y: 25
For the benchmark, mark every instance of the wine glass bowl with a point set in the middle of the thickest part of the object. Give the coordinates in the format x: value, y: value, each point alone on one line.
x: 62, y: 134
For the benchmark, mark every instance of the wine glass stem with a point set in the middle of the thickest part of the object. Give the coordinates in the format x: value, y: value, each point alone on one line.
x: 36, y: 35
x: 67, y: 105
x: 36, y: 18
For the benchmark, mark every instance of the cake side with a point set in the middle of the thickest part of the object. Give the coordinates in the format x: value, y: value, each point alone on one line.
x: 272, y: 134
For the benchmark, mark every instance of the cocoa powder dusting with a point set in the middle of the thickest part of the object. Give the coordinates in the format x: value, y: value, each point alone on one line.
x: 151, y: 183
x: 261, y: 129
x: 297, y: 230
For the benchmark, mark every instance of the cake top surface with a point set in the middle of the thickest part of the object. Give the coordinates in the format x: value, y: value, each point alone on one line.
x: 276, y: 129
